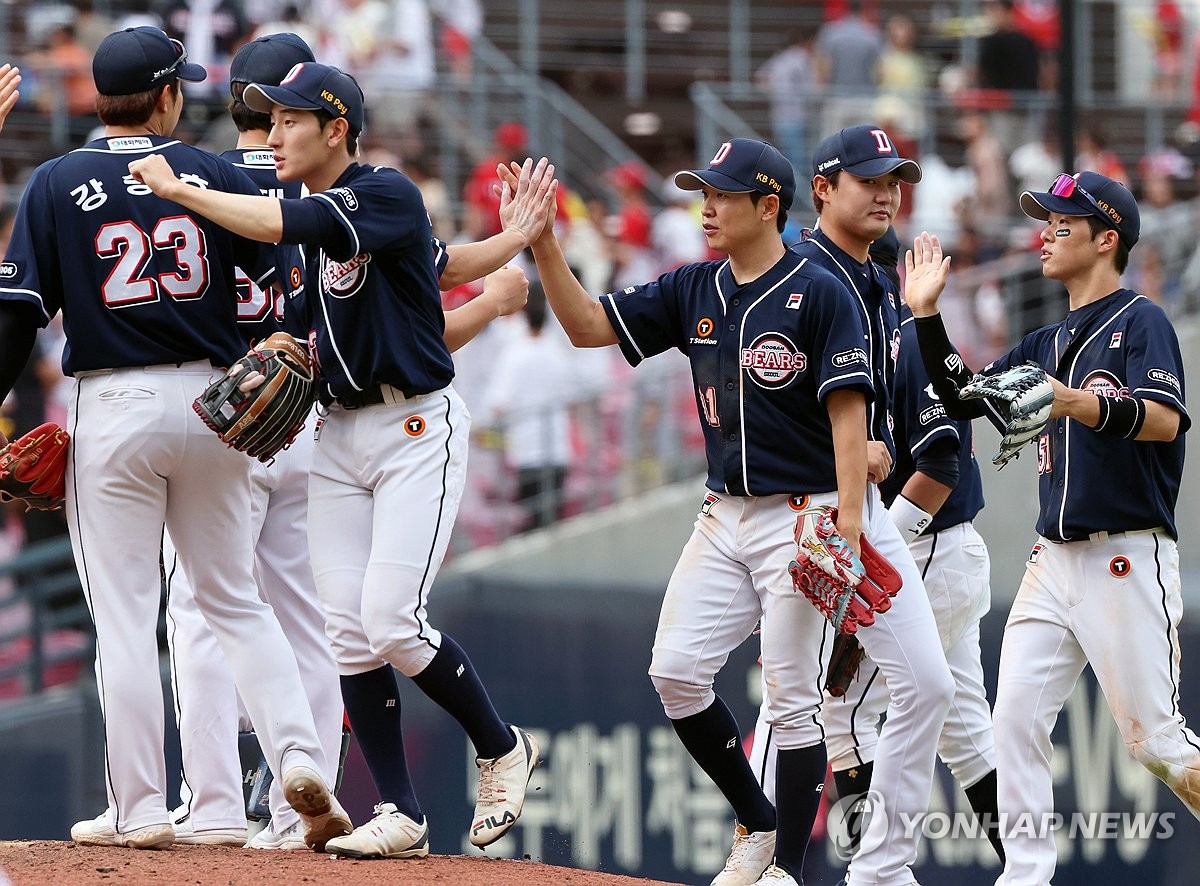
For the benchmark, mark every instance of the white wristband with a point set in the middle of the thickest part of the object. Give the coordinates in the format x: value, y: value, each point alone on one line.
x: 909, y: 519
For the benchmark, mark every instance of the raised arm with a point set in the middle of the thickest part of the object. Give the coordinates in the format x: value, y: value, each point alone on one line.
x: 927, y: 271
x: 524, y: 207
x: 581, y: 316
x: 253, y: 217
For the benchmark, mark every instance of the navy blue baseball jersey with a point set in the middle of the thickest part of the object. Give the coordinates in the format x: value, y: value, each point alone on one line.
x: 764, y: 356
x: 260, y: 310
x: 140, y: 281
x: 374, y: 309
x: 879, y: 310
x: 921, y: 422
x: 1120, y: 346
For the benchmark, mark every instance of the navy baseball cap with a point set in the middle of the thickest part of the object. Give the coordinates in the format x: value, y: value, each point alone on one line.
x: 865, y: 151
x: 744, y: 166
x: 268, y: 59
x: 311, y: 86
x: 1088, y: 193
x: 139, y: 59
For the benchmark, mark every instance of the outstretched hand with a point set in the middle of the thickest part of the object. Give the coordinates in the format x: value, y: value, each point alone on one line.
x: 537, y: 205
x: 926, y: 274
x: 155, y: 172
x: 10, y: 79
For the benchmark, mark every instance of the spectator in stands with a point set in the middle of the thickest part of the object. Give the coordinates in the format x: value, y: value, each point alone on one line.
x: 788, y: 78
x: 65, y: 66
x: 1167, y: 28
x: 527, y: 400
x: 462, y: 23
x: 902, y: 71
x: 847, y: 54
x: 91, y: 26
x: 1034, y: 164
x: 629, y: 229
x: 1092, y: 152
x: 993, y: 200
x: 481, y: 205
x: 288, y: 21
x: 212, y: 30
x: 678, y: 239
x: 401, y: 70
x: 1009, y: 61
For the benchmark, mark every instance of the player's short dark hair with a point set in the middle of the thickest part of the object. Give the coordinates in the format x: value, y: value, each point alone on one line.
x: 130, y: 110
x: 818, y: 203
x: 1121, y: 256
x: 246, y: 119
x: 780, y: 219
x: 324, y: 117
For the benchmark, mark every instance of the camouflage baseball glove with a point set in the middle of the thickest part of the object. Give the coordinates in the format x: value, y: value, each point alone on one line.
x: 848, y: 590
x: 33, y: 468
x: 1025, y: 393
x: 261, y: 419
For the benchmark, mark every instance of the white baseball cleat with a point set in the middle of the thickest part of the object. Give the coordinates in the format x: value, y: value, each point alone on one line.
x: 751, y: 855
x: 390, y: 834
x: 777, y: 876
x: 290, y: 838
x: 187, y: 835
x: 98, y: 832
x: 502, y: 784
x: 322, y: 815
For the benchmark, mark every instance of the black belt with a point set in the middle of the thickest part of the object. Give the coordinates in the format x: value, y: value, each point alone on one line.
x: 372, y: 396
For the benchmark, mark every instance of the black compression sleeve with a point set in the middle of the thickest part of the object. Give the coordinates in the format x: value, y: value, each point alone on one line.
x: 18, y: 329
x: 940, y: 462
x: 945, y: 367
x: 1121, y: 417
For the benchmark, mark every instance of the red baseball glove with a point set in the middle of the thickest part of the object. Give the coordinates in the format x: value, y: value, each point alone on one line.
x: 33, y: 468
x: 848, y: 590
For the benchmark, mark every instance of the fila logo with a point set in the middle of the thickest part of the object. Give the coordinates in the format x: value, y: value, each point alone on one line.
x: 882, y: 143
x: 494, y: 822
x: 709, y: 501
x: 732, y: 743
x: 1115, y: 341
x: 1035, y: 553
x: 794, y: 300
x: 722, y: 153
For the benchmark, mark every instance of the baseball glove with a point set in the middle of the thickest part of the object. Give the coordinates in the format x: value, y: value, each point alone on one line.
x: 843, y: 664
x: 263, y: 419
x: 1025, y: 392
x: 33, y: 468
x: 848, y: 590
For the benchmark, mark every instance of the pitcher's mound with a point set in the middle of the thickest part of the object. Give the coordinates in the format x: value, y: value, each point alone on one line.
x: 38, y: 862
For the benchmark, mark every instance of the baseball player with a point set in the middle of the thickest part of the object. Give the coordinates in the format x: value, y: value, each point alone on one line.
x: 389, y: 465
x: 856, y: 193
x: 212, y: 810
x: 781, y: 388
x: 1101, y: 584
x: 147, y: 293
x: 932, y: 494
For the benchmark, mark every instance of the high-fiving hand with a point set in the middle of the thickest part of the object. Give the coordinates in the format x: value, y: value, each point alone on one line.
x: 926, y: 272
